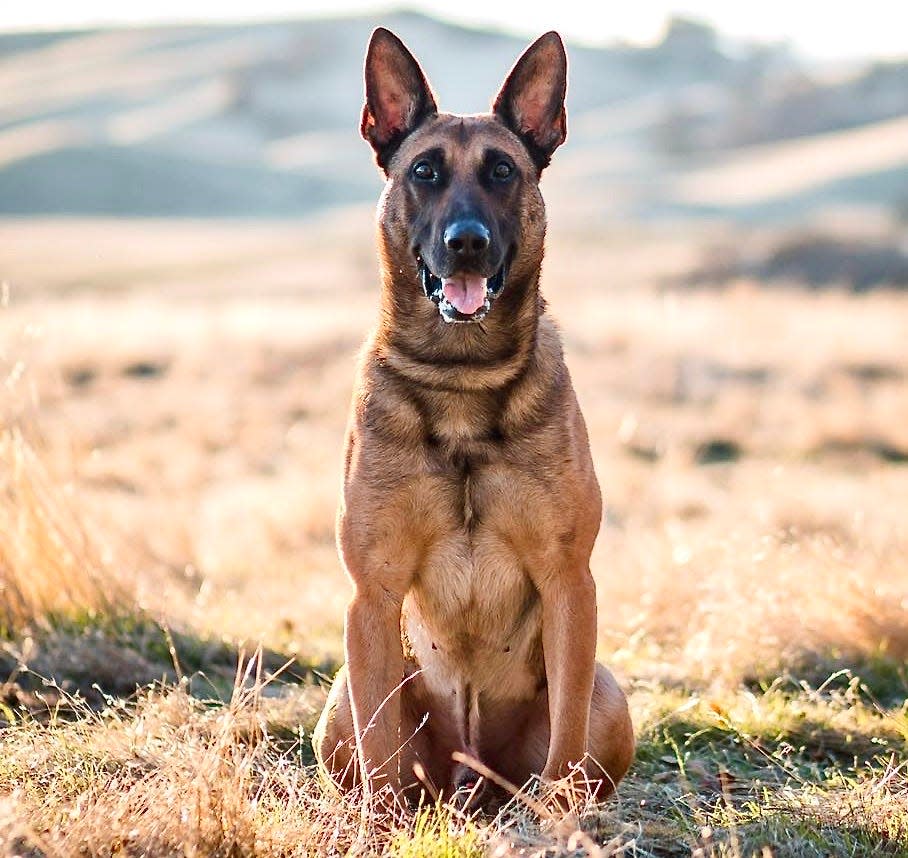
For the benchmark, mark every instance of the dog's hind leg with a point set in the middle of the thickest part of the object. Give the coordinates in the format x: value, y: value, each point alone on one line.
x: 425, y: 757
x: 334, y: 739
x: 611, y: 739
x: 610, y: 744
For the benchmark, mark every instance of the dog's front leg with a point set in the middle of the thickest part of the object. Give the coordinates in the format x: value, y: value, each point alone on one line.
x: 569, y: 650
x: 375, y: 666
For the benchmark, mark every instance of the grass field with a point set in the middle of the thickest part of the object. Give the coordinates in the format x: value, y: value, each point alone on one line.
x: 171, y: 419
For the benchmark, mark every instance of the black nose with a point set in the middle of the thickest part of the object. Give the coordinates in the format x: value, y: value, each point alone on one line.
x: 467, y: 237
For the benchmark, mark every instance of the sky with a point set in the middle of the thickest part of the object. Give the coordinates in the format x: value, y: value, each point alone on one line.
x: 826, y: 30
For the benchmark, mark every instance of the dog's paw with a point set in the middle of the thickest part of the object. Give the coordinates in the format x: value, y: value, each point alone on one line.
x: 569, y: 794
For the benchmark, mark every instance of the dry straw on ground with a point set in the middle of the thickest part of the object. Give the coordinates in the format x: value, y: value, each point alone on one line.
x: 751, y: 569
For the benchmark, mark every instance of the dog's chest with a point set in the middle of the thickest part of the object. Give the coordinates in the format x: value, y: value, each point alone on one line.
x: 473, y: 609
x: 473, y: 586
x: 461, y: 429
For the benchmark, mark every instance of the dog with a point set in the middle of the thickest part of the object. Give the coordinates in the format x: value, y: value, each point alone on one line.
x: 469, y: 505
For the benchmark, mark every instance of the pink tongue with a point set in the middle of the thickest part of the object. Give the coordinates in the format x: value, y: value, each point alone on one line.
x: 465, y: 292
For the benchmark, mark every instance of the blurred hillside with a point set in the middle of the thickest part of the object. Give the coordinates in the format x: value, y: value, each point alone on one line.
x: 261, y: 120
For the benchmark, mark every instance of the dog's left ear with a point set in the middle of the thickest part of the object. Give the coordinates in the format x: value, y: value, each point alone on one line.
x: 531, y: 101
x: 398, y: 97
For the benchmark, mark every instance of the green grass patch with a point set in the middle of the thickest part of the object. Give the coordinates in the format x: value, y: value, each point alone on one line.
x: 437, y: 832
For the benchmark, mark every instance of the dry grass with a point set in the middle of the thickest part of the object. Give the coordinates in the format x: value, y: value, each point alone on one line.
x: 50, y: 571
x: 751, y: 570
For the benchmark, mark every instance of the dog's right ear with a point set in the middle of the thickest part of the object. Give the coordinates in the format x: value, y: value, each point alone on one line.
x: 398, y: 97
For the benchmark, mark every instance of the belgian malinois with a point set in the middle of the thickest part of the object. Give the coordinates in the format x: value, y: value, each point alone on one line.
x: 470, y: 505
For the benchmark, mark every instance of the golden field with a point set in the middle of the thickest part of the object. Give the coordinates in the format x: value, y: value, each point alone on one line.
x: 173, y: 406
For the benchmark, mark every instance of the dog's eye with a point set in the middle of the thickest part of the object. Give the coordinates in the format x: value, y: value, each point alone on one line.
x: 502, y: 171
x: 424, y: 171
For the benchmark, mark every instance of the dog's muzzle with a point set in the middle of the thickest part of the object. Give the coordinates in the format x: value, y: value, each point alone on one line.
x: 462, y: 297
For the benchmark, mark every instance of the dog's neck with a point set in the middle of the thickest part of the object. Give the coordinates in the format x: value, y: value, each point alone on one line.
x: 416, y: 342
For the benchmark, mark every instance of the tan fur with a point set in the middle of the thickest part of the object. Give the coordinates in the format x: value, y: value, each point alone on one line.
x: 469, y: 511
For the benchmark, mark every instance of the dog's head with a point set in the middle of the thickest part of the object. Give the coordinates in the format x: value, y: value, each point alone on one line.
x: 462, y: 202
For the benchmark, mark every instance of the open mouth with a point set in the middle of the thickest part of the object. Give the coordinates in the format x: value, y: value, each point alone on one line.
x: 461, y: 297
